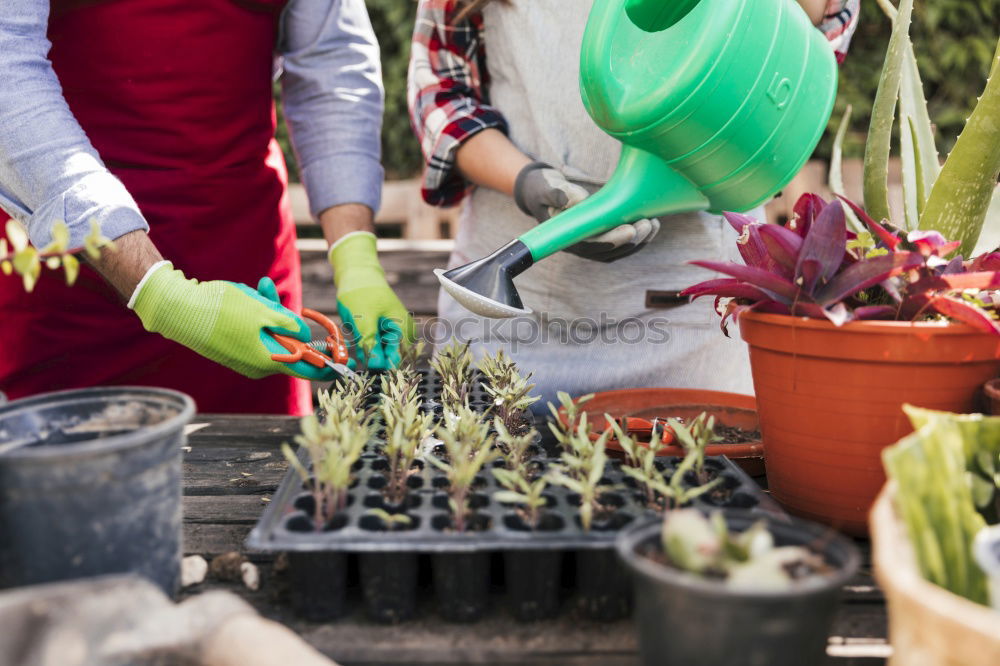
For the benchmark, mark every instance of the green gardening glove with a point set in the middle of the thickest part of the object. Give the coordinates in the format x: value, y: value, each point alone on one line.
x: 374, y: 318
x: 223, y: 321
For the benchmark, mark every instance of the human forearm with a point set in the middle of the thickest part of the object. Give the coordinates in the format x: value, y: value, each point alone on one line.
x: 338, y: 221
x: 491, y: 160
x: 124, y: 267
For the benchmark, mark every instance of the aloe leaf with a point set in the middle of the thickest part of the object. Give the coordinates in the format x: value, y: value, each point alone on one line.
x: 876, y: 175
x: 910, y: 177
x: 914, y: 103
x: 837, y: 166
x: 867, y: 273
x: 960, y: 198
x: 775, y: 286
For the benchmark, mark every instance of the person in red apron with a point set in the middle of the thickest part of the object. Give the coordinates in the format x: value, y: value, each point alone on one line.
x: 155, y: 118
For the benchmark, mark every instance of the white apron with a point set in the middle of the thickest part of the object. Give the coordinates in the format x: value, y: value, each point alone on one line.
x: 591, y: 330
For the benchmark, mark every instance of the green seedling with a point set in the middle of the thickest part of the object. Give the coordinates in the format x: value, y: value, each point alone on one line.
x: 509, y: 391
x: 564, y: 429
x: 514, y: 448
x: 581, y: 472
x: 469, y: 446
x: 406, y: 427
x: 529, y: 495
x: 695, y: 439
x: 640, y: 465
x: 348, y: 398
x: 453, y: 365
x: 332, y: 447
x: 391, y: 521
x: 704, y: 546
x: 410, y: 357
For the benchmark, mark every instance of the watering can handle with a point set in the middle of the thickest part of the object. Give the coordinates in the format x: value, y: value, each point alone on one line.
x: 642, y: 186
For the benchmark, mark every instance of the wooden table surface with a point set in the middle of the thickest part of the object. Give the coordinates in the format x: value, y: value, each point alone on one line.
x: 234, y: 465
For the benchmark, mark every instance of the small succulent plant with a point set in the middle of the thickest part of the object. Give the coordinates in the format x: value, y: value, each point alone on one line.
x: 528, y: 494
x: 705, y: 546
x: 453, y: 365
x: 332, y: 447
x: 509, y: 391
x: 815, y: 267
x: 514, y: 448
x: 468, y: 445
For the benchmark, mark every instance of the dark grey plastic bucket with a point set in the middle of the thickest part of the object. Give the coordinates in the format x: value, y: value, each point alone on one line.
x: 90, y: 484
x: 684, y: 620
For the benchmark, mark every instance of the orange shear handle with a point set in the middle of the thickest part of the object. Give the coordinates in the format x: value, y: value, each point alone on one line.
x: 302, y: 351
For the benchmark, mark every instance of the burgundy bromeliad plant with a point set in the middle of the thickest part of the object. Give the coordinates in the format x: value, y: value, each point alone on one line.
x: 815, y: 267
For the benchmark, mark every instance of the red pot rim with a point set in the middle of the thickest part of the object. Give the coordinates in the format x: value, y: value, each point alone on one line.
x: 874, y: 327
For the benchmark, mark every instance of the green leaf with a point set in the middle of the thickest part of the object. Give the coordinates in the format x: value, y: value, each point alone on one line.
x: 837, y: 169
x: 876, y: 173
x: 914, y: 104
x: 28, y: 265
x: 18, y: 237
x: 510, y: 497
x: 959, y: 201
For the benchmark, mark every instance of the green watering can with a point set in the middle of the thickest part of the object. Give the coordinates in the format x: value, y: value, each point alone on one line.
x: 718, y: 104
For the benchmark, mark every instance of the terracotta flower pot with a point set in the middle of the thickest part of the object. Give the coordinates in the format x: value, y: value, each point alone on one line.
x: 829, y: 401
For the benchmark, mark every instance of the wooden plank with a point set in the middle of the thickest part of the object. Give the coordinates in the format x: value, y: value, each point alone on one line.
x: 209, y: 540
x: 223, y: 509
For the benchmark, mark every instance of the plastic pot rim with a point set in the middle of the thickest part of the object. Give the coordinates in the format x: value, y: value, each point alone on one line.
x: 632, y: 537
x: 168, y: 397
x: 872, y: 326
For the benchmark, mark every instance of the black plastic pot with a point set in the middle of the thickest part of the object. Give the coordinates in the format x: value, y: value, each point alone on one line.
x: 461, y: 584
x: 685, y: 619
x: 389, y: 585
x: 604, y: 585
x: 318, y: 585
x: 532, y: 578
x: 90, y: 484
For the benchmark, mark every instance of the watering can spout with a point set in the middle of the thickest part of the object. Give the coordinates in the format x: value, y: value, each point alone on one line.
x: 643, y: 185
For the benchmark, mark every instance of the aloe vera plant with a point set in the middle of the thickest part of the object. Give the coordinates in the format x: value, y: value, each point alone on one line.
x: 406, y: 427
x: 943, y: 473
x: 953, y: 199
x: 816, y: 268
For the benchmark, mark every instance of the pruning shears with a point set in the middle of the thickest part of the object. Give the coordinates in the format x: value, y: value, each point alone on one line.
x: 330, y: 351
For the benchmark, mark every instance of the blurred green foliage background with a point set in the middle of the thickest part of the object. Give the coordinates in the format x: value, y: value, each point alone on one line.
x: 954, y: 41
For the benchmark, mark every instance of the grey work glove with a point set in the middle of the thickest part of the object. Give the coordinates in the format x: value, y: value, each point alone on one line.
x: 542, y: 192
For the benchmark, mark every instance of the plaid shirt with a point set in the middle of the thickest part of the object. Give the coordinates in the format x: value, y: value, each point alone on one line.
x: 448, y: 81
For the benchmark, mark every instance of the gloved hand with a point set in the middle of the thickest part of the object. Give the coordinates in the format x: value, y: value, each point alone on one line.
x: 226, y: 322
x: 542, y: 192
x: 375, y: 320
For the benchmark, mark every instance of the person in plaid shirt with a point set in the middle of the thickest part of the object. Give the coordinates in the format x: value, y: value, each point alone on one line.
x: 508, y: 136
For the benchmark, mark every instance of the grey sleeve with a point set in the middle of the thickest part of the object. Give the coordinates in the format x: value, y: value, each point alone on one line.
x: 49, y: 171
x: 333, y: 100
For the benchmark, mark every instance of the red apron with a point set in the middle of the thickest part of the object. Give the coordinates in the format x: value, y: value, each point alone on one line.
x: 176, y: 97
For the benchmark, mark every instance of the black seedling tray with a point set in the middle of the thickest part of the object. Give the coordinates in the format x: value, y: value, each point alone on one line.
x: 461, y: 562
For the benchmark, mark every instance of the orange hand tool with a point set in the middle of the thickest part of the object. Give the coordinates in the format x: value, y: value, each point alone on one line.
x: 336, y: 355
